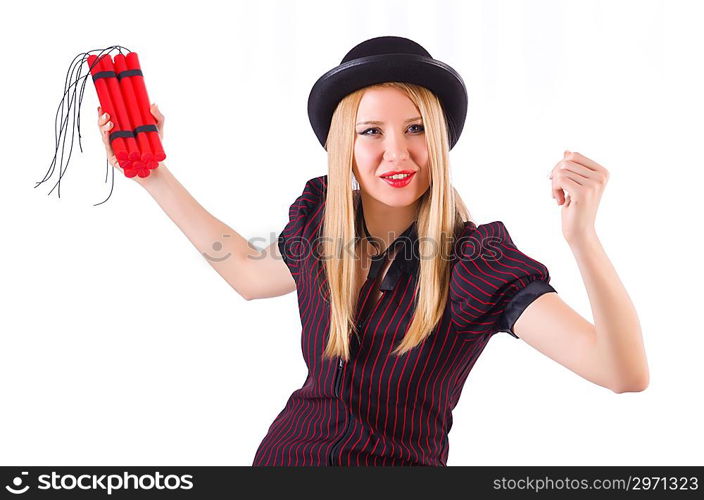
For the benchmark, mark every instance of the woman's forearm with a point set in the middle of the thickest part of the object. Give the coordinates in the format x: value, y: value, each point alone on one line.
x: 223, y: 248
x: 619, y: 342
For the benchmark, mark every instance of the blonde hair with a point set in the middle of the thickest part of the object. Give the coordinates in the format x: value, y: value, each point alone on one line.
x: 441, y: 213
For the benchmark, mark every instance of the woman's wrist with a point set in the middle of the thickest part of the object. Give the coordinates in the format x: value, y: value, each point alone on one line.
x: 156, y: 178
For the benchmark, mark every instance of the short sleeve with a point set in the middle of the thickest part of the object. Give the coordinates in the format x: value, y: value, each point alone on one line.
x: 492, y: 281
x: 296, y: 240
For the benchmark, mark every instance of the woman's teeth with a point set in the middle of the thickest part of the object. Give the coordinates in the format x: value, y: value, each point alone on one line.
x: 397, y: 176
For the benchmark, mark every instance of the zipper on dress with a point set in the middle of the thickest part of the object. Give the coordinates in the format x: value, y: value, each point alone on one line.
x: 338, y: 380
x: 349, y: 417
x: 339, y: 441
x: 338, y: 377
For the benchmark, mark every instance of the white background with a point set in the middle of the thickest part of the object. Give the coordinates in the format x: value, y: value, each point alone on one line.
x: 119, y: 344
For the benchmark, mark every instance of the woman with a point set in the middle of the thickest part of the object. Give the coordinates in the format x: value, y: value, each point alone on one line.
x: 399, y: 292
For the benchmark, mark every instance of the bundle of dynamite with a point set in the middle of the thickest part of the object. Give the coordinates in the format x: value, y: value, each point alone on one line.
x: 134, y: 137
x: 122, y: 93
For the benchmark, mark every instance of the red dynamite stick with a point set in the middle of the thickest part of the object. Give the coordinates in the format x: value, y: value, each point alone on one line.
x: 127, y: 168
x: 122, y: 116
x: 118, y: 145
x: 127, y: 164
x: 140, y: 168
x: 134, y: 167
x: 143, y: 100
x: 132, y: 108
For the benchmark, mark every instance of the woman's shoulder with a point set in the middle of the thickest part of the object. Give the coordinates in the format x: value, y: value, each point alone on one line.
x: 317, y: 186
x: 304, y: 221
x: 490, y: 272
x: 488, y: 251
x: 471, y: 228
x: 311, y: 198
x: 474, y: 236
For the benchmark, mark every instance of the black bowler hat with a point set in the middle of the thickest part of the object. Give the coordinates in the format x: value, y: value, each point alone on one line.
x: 387, y: 59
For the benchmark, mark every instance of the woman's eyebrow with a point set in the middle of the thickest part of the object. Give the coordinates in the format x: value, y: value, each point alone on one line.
x: 381, y: 123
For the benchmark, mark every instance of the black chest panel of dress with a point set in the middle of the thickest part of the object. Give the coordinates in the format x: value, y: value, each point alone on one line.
x: 404, y: 264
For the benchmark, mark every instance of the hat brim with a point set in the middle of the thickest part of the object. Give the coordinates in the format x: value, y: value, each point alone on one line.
x: 430, y: 73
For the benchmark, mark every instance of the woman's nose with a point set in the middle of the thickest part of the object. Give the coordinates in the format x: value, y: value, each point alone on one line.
x: 395, y: 149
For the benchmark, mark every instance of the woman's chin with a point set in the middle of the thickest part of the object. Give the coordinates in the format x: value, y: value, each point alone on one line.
x: 398, y: 200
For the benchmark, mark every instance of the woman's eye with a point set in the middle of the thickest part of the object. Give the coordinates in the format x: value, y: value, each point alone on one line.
x: 375, y: 128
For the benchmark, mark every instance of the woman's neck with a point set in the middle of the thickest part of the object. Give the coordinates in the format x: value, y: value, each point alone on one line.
x: 386, y: 223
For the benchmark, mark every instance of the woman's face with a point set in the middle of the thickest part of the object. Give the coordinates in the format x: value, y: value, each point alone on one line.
x: 394, y: 142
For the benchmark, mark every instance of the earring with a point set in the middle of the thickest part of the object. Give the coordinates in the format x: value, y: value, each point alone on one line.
x: 355, y: 184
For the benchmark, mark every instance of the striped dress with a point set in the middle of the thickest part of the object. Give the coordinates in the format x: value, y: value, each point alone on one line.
x: 379, y: 409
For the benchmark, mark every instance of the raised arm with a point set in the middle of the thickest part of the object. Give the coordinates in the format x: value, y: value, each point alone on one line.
x: 609, y: 352
x: 254, y: 274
